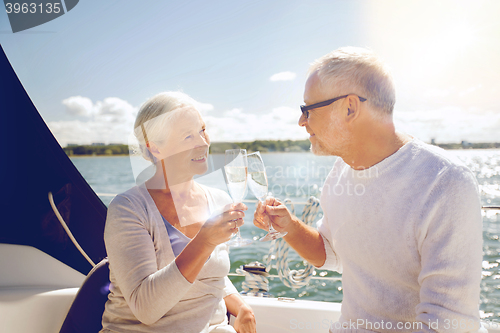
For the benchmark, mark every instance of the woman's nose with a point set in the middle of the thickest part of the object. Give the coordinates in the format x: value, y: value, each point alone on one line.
x: 201, y: 141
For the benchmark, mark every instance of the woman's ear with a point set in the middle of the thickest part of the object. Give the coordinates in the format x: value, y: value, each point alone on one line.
x: 153, y: 149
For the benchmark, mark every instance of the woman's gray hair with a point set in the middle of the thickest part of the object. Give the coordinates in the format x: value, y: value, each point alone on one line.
x: 352, y: 70
x: 157, y: 116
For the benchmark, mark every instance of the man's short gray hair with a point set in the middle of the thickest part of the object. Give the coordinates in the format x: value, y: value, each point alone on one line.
x: 156, y: 118
x: 358, y: 71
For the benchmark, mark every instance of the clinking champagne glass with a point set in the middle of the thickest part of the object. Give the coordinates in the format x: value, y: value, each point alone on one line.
x: 257, y: 181
x: 236, y: 180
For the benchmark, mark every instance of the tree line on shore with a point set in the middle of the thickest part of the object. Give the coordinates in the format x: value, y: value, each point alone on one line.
x: 215, y: 147
x: 258, y: 145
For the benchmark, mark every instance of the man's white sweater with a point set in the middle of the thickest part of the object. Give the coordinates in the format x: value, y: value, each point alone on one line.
x: 407, y: 236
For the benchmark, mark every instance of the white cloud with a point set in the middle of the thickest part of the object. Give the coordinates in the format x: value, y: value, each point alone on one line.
x: 283, y: 76
x: 87, y: 132
x: 111, y: 121
x: 204, y: 108
x: 286, y: 114
x: 116, y: 110
x: 108, y: 121
x: 236, y: 125
x: 79, y: 106
x: 234, y: 113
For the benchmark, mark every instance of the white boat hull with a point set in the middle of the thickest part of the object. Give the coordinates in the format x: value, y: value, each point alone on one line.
x: 280, y: 316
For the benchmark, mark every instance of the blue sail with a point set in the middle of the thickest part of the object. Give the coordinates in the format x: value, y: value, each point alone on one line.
x: 33, y: 164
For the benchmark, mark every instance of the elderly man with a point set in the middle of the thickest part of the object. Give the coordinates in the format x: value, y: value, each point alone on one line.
x: 402, y: 219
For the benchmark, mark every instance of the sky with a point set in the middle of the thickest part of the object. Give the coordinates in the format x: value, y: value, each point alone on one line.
x: 245, y: 62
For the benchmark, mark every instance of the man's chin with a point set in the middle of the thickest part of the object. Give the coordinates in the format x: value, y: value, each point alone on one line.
x: 319, y: 150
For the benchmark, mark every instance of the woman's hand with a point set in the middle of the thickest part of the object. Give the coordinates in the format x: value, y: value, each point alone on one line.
x: 272, y: 211
x: 245, y: 320
x: 216, y: 230
x: 221, y: 226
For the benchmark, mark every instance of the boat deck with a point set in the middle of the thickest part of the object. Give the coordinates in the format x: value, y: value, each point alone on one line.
x: 35, y: 297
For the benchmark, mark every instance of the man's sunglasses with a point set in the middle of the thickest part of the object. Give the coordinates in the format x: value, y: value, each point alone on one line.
x: 305, y: 108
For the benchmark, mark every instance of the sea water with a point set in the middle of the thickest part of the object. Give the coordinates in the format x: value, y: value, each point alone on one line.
x: 298, y: 176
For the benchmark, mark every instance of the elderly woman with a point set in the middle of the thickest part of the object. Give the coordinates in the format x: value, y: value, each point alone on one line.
x: 165, y: 238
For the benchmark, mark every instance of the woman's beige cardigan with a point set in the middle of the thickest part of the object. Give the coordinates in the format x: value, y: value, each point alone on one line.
x: 148, y: 293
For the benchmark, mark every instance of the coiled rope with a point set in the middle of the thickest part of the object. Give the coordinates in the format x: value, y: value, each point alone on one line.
x: 294, y: 279
x: 256, y: 282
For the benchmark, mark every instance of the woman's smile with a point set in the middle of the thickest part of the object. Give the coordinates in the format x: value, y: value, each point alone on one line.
x: 201, y: 158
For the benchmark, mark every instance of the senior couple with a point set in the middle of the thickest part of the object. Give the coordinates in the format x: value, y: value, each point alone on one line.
x: 409, y: 247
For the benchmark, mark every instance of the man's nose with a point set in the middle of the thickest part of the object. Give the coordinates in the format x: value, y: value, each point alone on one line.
x: 302, y: 120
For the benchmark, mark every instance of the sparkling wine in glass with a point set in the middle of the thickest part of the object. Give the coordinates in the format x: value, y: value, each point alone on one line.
x: 236, y: 180
x: 257, y: 182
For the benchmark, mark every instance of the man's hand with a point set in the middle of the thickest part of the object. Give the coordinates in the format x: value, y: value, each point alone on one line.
x: 304, y: 239
x: 272, y: 211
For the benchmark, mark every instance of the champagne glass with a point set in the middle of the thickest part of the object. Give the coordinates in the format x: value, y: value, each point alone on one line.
x: 257, y: 181
x: 236, y: 180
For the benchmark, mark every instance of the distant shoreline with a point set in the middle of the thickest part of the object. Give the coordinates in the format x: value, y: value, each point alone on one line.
x: 264, y: 146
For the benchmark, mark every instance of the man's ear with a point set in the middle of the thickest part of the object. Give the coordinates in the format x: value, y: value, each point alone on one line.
x: 353, y: 108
